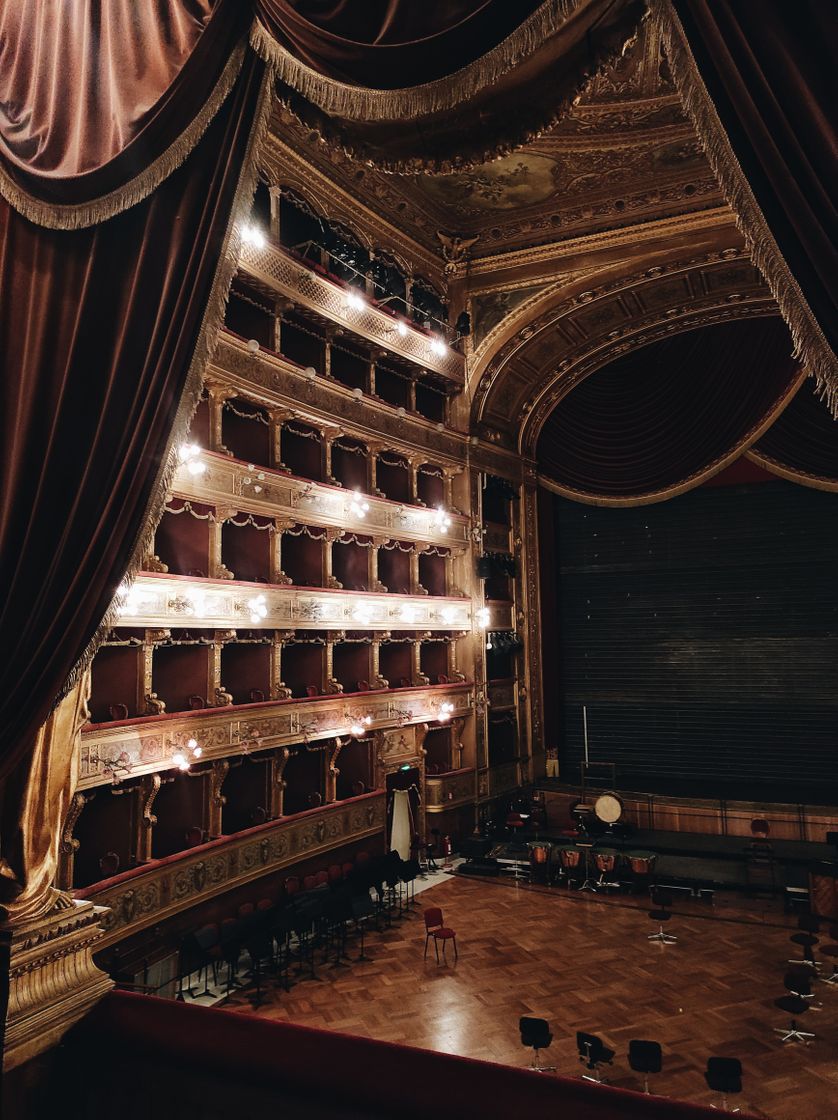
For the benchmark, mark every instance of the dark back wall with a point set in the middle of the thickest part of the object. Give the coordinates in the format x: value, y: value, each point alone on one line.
x: 702, y: 635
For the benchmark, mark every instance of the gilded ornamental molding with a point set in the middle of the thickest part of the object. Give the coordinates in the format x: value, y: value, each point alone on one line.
x: 146, y: 746
x: 292, y: 278
x: 255, y: 489
x: 161, y: 601
x: 149, y: 895
x: 274, y: 382
x: 449, y: 791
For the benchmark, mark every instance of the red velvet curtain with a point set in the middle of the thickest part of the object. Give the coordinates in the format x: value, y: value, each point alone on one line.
x: 390, y: 44
x: 98, y: 328
x: 659, y: 416
x: 768, y: 68
x: 92, y: 95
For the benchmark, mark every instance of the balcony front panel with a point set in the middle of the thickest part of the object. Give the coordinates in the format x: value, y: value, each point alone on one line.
x: 227, y: 482
x: 130, y: 749
x: 448, y: 791
x: 150, y: 894
x: 318, y: 400
x: 283, y: 274
x: 165, y: 601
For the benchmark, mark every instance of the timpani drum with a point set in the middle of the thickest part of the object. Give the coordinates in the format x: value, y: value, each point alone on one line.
x: 606, y: 862
x: 569, y: 858
x: 608, y: 808
x: 641, y: 863
x: 540, y: 862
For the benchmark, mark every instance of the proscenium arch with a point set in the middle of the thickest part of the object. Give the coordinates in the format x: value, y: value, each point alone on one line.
x: 771, y: 409
x: 593, y: 320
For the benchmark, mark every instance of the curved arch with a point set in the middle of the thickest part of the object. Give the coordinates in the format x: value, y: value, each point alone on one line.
x: 585, y: 324
x: 803, y: 445
x: 661, y: 420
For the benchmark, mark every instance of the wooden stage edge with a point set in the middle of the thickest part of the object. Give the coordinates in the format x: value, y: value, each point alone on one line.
x: 709, y: 816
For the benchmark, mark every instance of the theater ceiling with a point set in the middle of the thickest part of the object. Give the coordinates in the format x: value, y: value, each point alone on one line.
x: 623, y: 154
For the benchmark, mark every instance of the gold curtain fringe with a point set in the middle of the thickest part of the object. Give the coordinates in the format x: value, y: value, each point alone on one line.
x: 329, y: 131
x: 204, y: 349
x: 810, y: 344
x: 365, y: 104
x: 55, y: 216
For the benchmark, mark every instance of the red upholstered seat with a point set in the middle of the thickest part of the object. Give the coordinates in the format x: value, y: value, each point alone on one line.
x: 435, y: 928
x: 312, y: 690
x: 109, y: 864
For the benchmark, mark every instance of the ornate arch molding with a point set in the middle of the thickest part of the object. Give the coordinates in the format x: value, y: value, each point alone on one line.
x: 591, y: 325
x: 561, y: 387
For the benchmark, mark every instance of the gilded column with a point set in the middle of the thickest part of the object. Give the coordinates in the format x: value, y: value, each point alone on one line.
x: 375, y: 583
x: 327, y: 437
x: 278, y: 783
x: 217, y: 695
x: 216, y: 396
x: 331, y: 755
x: 152, y: 705
x: 276, y: 421
x: 332, y: 685
x: 279, y: 689
x: 276, y: 202
x: 69, y: 844
x: 277, y: 575
x: 376, y: 679
x: 331, y: 535
x: 217, y: 567
x: 418, y: 677
x: 146, y: 820
x: 416, y: 587
x: 218, y: 773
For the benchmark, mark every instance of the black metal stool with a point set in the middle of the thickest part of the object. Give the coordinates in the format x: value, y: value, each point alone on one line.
x: 724, y: 1075
x: 796, y: 1003
x: 661, y: 914
x: 645, y: 1057
x: 592, y: 1053
x: 536, y: 1033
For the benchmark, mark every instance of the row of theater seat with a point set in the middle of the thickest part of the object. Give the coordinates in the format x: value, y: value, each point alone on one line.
x: 289, y: 923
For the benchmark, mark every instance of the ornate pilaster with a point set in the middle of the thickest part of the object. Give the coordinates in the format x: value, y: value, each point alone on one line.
x: 218, y: 774
x: 146, y: 820
x: 216, y: 396
x: 278, y: 783
x: 69, y: 844
x: 330, y: 536
x: 217, y: 568
x: 277, y: 575
x: 418, y: 678
x: 276, y: 420
x: 331, y: 756
x: 46, y: 938
x: 53, y: 981
x: 279, y: 689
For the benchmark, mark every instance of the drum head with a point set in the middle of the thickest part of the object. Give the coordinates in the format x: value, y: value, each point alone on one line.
x: 608, y: 808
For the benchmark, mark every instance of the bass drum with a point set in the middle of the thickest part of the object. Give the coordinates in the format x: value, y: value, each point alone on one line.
x: 608, y: 808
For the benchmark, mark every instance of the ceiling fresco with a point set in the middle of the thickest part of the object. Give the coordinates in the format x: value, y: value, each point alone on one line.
x: 625, y: 153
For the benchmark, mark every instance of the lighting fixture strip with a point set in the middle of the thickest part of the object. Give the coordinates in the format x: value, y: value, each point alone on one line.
x: 349, y: 308
x: 182, y: 601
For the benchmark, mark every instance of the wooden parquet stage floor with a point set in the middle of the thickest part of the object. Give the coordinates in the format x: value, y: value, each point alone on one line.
x: 585, y: 964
